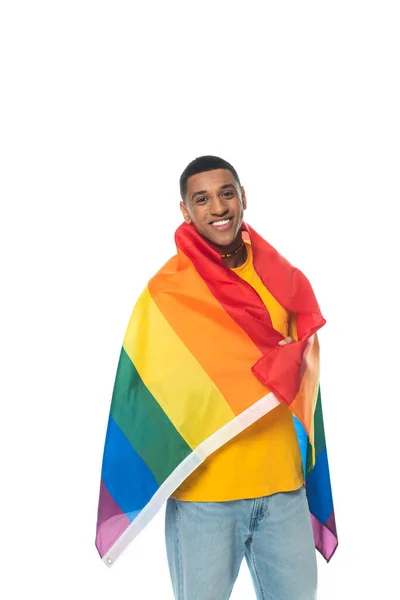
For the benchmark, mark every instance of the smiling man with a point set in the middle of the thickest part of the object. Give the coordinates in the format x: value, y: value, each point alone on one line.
x: 216, y: 409
x: 247, y: 499
x: 214, y: 202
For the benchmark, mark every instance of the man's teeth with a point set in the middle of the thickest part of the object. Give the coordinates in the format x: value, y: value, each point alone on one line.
x: 219, y: 223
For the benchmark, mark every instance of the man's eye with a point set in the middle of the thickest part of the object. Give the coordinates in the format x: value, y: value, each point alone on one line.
x: 201, y: 199
x: 231, y: 193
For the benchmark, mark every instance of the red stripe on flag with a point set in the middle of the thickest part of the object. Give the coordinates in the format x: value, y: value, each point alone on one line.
x: 280, y: 366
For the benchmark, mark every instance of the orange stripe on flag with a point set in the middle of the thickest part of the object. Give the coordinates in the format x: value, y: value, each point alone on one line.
x: 305, y: 401
x: 218, y: 343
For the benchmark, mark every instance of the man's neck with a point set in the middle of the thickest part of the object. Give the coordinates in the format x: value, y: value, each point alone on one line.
x: 237, y: 260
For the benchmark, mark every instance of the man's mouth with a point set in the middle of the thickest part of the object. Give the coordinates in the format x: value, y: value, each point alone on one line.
x: 222, y: 224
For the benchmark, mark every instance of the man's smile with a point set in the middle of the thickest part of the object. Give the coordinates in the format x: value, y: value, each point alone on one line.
x: 222, y: 224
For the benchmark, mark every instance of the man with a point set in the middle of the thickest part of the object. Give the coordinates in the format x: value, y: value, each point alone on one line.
x: 216, y: 409
x: 247, y: 499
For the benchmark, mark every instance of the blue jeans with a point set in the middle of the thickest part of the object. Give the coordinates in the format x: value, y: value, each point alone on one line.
x: 206, y: 542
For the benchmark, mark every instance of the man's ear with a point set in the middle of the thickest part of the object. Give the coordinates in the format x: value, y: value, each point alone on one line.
x: 244, y: 199
x: 185, y: 213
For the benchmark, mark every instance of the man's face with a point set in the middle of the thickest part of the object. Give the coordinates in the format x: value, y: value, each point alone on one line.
x: 215, y: 204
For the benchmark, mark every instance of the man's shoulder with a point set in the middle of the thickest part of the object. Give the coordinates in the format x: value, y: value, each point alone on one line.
x: 170, y: 267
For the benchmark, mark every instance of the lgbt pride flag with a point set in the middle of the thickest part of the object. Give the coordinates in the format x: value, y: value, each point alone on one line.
x: 200, y: 362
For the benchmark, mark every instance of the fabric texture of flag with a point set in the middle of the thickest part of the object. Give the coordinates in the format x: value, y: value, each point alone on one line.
x: 200, y: 362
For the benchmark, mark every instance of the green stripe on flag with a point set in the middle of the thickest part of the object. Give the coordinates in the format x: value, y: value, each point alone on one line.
x: 144, y: 423
x: 319, y: 433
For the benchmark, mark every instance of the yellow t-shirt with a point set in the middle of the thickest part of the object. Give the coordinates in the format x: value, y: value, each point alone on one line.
x: 264, y: 458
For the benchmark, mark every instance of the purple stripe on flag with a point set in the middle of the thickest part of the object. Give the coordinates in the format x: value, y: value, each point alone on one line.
x: 325, y: 540
x: 111, y: 521
x: 331, y: 523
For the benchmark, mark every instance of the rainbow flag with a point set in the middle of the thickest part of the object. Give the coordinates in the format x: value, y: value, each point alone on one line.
x: 200, y: 362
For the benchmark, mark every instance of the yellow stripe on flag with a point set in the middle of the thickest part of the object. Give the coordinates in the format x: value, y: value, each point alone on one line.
x: 172, y: 374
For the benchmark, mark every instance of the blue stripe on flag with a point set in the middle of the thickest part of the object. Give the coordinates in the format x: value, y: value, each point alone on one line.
x: 125, y: 474
x: 302, y: 439
x: 318, y: 488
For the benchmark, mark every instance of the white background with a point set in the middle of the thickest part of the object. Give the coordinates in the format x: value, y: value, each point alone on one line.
x: 103, y: 104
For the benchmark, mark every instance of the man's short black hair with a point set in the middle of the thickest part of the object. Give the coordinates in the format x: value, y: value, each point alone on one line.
x: 204, y: 163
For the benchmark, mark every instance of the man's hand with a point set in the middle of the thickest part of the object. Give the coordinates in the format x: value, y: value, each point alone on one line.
x: 287, y: 340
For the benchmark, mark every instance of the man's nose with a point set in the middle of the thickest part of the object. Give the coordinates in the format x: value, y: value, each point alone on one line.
x: 218, y: 206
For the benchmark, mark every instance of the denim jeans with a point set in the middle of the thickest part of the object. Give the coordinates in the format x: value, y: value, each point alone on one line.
x: 206, y: 542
